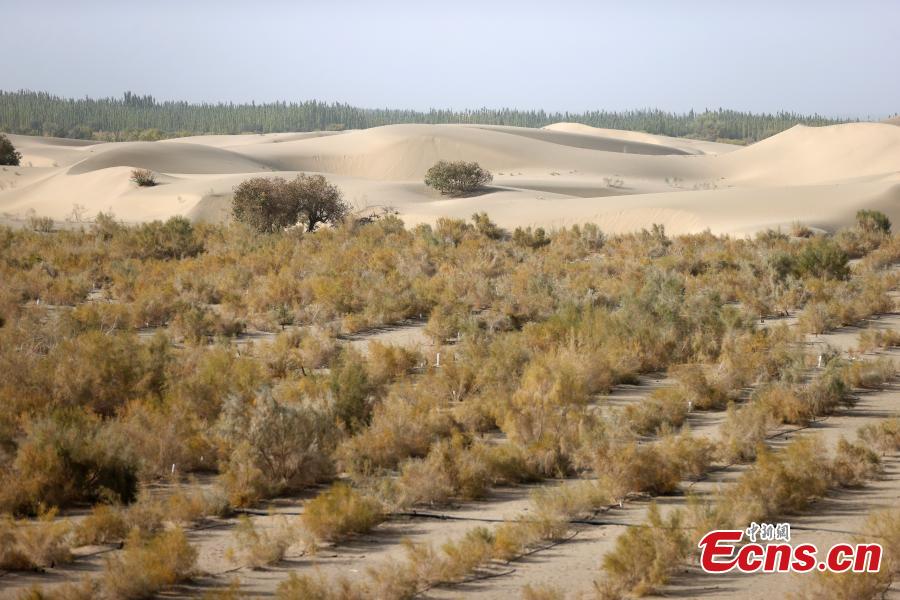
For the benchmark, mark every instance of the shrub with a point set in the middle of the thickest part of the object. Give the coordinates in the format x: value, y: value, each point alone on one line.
x: 352, y: 392
x: 405, y: 424
x: 697, y: 389
x: 143, y: 177
x: 665, y: 407
x: 174, y: 239
x: 883, y: 436
x: 26, y: 545
x: 257, y: 548
x: 743, y: 431
x: 822, y: 257
x: 270, y: 205
x: 461, y: 557
x: 873, y: 221
x: 457, y: 177
x: 645, y: 556
x: 854, y: 464
x: 779, y: 483
x: 341, y: 511
x: 273, y: 447
x: 69, y: 457
x: 104, y: 525
x: 873, y: 339
x: 8, y: 154
x: 40, y: 224
x: 146, y: 566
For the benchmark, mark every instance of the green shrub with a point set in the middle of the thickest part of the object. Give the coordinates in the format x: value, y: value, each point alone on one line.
x: 8, y: 154
x: 457, y: 177
x: 270, y: 205
x: 873, y: 221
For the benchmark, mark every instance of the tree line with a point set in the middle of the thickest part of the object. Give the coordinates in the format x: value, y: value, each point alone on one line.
x: 136, y: 117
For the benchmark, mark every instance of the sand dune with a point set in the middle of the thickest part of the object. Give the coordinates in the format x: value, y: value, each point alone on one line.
x: 563, y: 174
x: 685, y: 145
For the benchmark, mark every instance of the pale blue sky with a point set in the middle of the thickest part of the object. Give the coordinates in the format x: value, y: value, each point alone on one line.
x: 834, y: 58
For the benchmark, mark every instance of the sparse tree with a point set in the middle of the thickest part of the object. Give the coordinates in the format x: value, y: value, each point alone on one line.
x: 8, y: 154
x: 317, y: 201
x: 270, y: 205
x: 457, y: 177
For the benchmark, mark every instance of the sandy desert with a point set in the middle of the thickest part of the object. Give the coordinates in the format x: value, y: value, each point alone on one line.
x: 449, y: 301
x: 553, y: 177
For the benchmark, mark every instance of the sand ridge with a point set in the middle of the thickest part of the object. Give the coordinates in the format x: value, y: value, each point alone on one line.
x: 559, y: 175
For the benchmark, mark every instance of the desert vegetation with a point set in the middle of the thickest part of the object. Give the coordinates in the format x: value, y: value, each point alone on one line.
x: 8, y: 153
x: 143, y: 177
x: 124, y: 366
x: 457, y: 178
x: 269, y: 205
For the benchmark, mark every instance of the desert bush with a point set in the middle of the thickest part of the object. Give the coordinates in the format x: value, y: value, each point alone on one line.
x: 387, y: 363
x: 869, y: 374
x: 527, y: 238
x: 854, y: 463
x: 341, y: 511
x: 143, y: 177
x: 665, y: 407
x: 351, y: 389
x: 645, y: 556
x: 104, y: 525
x: 785, y: 403
x: 8, y: 153
x: 457, y: 177
x: 874, y: 339
x: 744, y: 429
x: 146, y: 566
x: 273, y: 447
x: 175, y: 238
x: 691, y: 455
x: 873, y: 221
x: 883, y: 435
x: 629, y: 467
x: 404, y: 425
x: 26, y: 545
x: 486, y: 227
x: 779, y: 483
x: 270, y: 205
x: 68, y: 457
x: 41, y: 224
x: 822, y: 257
x: 257, y: 548
x: 698, y: 390
x: 452, y: 469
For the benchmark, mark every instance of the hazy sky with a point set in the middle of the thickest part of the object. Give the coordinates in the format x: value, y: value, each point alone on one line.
x: 834, y: 58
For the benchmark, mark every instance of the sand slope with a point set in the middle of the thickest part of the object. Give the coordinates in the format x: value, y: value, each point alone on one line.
x: 559, y: 175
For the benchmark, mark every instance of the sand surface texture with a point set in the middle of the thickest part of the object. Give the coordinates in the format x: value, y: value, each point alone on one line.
x: 560, y: 175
